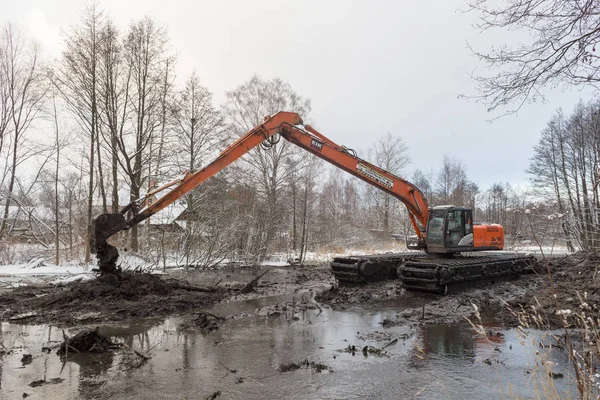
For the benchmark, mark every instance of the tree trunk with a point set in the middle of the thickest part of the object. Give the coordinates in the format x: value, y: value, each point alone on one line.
x: 304, y: 235
x: 386, y: 213
x: 56, y: 208
x: 294, y: 227
x: 70, y: 224
x: 90, y: 201
x: 93, y: 134
x: 115, y: 176
x: 134, y: 195
x: 101, y: 175
x: 11, y: 185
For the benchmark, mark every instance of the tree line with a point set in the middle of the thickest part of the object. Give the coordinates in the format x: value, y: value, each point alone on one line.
x: 106, y: 118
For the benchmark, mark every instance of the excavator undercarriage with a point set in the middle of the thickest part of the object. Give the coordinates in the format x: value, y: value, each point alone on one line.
x: 419, y: 271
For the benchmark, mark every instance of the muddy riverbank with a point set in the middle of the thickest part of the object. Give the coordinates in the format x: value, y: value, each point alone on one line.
x: 373, y: 341
x: 569, y: 287
x: 249, y: 357
x: 140, y: 295
x: 180, y: 292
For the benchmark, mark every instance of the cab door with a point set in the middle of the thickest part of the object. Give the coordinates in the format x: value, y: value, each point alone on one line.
x: 459, y: 225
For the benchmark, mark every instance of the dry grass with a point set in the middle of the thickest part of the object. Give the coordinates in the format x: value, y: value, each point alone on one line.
x: 578, y: 339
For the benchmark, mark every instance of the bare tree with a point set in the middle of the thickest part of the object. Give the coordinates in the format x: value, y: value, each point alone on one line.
x: 424, y: 183
x: 76, y: 78
x: 391, y: 154
x: 57, y: 144
x: 310, y: 171
x: 158, y: 142
x: 112, y: 100
x: 198, y: 125
x: 55, y: 172
x: 22, y: 95
x: 504, y: 205
x: 561, y: 50
x: 565, y: 169
x: 197, y: 128
x: 453, y: 186
x: 4, y: 101
x: 145, y: 52
x: 269, y: 166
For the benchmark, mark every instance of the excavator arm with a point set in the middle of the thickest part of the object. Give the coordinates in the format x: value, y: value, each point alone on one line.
x: 312, y: 141
x: 289, y: 126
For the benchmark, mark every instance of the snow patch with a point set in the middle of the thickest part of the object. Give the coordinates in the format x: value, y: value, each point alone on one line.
x: 41, y: 268
x: 275, y: 264
x: 74, y: 278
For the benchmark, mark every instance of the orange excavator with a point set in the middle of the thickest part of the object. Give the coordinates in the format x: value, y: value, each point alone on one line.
x: 445, y: 234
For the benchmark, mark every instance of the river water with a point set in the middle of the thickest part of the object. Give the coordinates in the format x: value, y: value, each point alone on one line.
x: 427, y: 362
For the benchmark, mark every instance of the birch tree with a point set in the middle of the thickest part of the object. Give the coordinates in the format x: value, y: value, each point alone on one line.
x: 246, y: 107
x: 559, y: 48
x: 22, y: 93
x: 77, y: 80
x: 391, y: 154
x: 145, y: 54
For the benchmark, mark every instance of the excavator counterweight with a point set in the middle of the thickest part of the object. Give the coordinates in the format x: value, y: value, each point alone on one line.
x: 443, y: 232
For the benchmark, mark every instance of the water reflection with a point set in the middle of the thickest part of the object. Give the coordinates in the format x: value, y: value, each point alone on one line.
x: 427, y: 362
x: 459, y: 339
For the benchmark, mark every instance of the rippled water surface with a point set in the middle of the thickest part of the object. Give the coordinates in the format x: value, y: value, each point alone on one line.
x: 434, y: 362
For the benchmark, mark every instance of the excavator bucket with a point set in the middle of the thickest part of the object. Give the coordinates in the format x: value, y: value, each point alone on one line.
x: 103, y: 227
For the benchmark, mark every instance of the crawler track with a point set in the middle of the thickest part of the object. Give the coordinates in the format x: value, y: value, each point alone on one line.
x: 421, y: 272
x: 369, y: 268
x: 443, y: 276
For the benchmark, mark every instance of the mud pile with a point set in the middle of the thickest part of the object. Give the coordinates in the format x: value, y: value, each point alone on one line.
x: 418, y: 308
x: 316, y: 366
x: 205, y: 322
x: 88, y: 341
x: 107, y: 298
x: 574, y: 279
x: 342, y: 297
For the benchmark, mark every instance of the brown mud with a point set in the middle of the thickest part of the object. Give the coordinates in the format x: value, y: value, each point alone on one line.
x: 105, y: 226
x: 316, y: 366
x: 106, y: 298
x: 88, y: 341
x: 135, y: 295
x: 567, y: 283
x: 421, y: 308
x: 205, y: 322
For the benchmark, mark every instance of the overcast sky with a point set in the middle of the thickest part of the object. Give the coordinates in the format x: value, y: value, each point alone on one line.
x: 369, y: 67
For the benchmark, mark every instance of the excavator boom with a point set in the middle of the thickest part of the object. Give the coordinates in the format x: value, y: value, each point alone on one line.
x: 445, y: 235
x: 290, y: 126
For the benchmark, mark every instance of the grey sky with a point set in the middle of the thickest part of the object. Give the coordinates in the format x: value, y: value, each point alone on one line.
x: 369, y: 67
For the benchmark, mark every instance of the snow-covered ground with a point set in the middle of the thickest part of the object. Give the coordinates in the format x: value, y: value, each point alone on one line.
x: 536, y: 250
x: 39, y: 267
x: 40, y: 270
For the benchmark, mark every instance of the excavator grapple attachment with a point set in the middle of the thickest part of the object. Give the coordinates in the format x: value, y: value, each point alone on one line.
x: 104, y: 226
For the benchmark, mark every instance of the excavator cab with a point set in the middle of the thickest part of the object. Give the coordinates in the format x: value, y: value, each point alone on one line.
x: 450, y: 229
